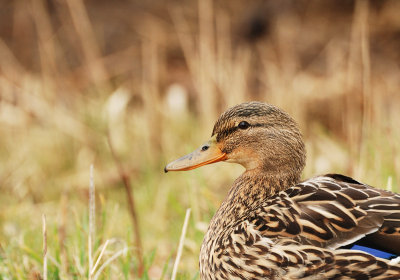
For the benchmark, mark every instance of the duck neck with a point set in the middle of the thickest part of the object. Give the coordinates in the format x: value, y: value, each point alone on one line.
x: 251, y: 189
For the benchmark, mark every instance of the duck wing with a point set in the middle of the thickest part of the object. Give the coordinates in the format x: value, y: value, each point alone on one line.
x: 246, y: 254
x: 333, y: 211
x: 300, y: 233
x: 310, y: 262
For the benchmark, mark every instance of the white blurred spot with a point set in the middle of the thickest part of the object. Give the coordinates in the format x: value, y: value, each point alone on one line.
x: 117, y: 103
x: 176, y: 99
x: 116, y: 111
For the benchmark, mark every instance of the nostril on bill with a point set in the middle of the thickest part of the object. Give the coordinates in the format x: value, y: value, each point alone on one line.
x: 205, y: 148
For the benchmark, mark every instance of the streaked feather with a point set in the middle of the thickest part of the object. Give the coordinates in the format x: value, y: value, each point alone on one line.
x: 298, y: 233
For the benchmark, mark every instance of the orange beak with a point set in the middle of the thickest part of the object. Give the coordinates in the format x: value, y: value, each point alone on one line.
x: 207, y: 153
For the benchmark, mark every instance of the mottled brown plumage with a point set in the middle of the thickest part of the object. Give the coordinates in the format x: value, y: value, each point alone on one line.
x: 271, y: 225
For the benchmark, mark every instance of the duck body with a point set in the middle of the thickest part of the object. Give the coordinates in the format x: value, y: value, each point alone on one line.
x: 271, y: 225
x: 297, y: 233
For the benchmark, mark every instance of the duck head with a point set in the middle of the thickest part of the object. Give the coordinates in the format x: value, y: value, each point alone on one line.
x: 257, y: 135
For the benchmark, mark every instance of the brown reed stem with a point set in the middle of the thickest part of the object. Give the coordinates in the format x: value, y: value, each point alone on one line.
x: 366, y: 75
x: 131, y: 205
x: 87, y: 38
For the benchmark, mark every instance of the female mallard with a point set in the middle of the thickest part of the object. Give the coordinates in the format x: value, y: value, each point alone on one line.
x: 271, y: 225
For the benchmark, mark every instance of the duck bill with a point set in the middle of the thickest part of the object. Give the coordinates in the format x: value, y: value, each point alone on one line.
x: 207, y: 153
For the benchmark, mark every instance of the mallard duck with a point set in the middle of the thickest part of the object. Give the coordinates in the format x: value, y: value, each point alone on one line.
x: 273, y: 226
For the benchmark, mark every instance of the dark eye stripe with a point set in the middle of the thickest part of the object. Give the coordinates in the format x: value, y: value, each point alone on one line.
x: 227, y: 132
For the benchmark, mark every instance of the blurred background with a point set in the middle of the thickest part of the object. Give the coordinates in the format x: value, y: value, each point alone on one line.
x: 130, y: 85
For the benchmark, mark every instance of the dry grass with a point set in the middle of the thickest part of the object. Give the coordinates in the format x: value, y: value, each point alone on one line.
x: 151, y: 79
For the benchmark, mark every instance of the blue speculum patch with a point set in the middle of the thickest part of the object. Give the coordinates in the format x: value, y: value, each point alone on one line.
x: 374, y: 252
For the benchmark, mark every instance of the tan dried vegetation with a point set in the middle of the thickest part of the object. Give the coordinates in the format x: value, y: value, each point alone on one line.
x: 127, y: 86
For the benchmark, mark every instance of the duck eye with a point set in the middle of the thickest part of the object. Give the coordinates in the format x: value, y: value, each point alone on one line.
x: 243, y: 125
x: 205, y: 148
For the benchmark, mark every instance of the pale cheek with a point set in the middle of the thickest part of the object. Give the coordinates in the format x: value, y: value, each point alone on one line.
x: 245, y: 158
x: 236, y: 156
